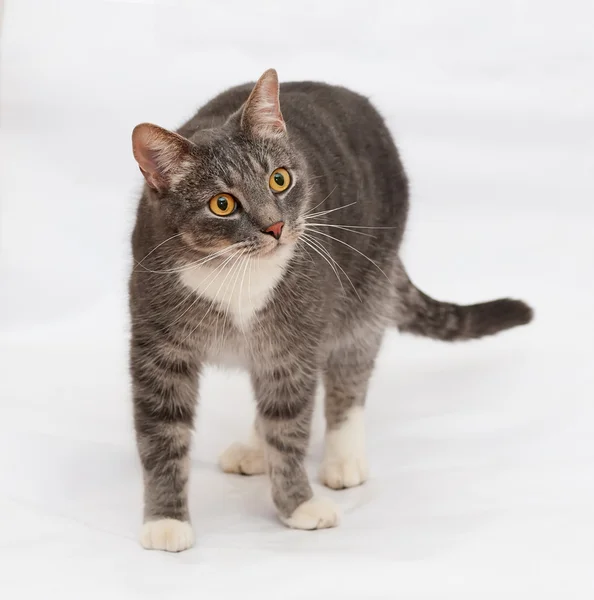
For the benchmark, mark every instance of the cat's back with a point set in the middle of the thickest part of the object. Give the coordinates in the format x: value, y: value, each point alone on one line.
x: 318, y: 99
x: 306, y: 105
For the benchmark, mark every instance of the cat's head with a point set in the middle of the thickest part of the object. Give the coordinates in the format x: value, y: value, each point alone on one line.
x: 239, y: 186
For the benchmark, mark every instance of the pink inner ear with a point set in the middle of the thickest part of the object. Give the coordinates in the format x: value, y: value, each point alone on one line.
x: 159, y: 154
x: 152, y: 179
x: 262, y: 112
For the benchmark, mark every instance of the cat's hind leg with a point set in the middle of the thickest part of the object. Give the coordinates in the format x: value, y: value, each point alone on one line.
x: 245, y: 458
x: 346, y: 379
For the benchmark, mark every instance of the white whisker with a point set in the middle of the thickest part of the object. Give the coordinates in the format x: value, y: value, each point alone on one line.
x: 322, y: 202
x: 139, y: 263
x: 327, y: 252
x: 311, y: 260
x: 231, y: 270
x: 212, y: 302
x: 327, y: 212
x: 353, y: 248
x: 352, y: 226
x: 232, y: 294
x: 197, y: 263
x: 247, y: 262
x: 209, y: 280
x: 256, y: 261
x: 191, y: 293
x: 210, y: 277
x: 309, y: 242
x: 312, y: 225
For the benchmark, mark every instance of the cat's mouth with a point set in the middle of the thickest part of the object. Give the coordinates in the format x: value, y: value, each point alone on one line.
x: 266, y: 249
x: 272, y: 247
x: 254, y: 248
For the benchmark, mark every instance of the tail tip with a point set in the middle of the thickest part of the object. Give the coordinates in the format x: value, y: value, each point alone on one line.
x: 520, y: 312
x: 507, y: 313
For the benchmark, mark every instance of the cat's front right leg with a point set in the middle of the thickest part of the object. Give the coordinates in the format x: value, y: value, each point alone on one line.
x: 165, y: 386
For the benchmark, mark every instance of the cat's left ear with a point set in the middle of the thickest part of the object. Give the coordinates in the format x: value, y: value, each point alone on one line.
x: 262, y: 114
x: 163, y: 156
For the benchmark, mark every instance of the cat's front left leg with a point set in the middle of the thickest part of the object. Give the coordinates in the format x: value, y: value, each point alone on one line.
x: 285, y: 398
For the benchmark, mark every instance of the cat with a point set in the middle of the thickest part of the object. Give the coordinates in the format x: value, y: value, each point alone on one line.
x: 271, y: 240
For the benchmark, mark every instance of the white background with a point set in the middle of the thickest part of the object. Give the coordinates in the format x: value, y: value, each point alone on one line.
x: 482, y: 453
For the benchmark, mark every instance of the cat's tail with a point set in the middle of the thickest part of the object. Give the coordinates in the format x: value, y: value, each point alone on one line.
x: 420, y: 314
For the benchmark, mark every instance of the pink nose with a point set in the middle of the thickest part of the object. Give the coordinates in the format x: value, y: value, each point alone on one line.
x: 275, y: 229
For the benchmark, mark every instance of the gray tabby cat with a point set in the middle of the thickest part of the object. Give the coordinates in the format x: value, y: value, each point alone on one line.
x: 271, y: 241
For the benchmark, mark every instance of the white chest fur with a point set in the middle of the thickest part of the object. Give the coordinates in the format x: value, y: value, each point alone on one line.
x: 240, y: 289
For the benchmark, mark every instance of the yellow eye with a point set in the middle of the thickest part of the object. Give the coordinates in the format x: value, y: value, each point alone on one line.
x: 279, y: 181
x: 223, y: 205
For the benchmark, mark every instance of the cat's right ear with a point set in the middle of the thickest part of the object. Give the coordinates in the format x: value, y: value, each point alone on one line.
x: 163, y: 156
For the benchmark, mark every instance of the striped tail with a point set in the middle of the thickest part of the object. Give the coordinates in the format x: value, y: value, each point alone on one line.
x: 420, y: 314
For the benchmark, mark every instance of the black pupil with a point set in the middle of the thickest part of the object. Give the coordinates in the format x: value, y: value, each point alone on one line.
x: 223, y: 203
x: 279, y: 179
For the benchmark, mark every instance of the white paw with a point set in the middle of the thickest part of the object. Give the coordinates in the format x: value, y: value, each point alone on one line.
x: 344, y: 463
x: 317, y: 513
x: 244, y: 459
x: 346, y: 473
x: 167, y: 534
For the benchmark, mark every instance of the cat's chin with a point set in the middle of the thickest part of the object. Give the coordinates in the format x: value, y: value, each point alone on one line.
x: 265, y: 252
